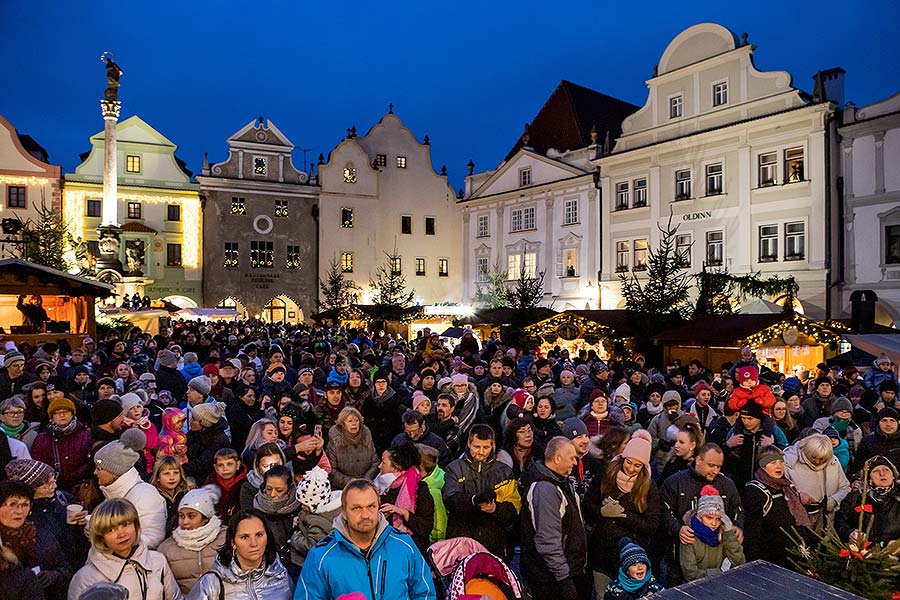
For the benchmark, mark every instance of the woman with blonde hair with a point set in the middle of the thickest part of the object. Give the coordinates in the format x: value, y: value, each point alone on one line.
x: 815, y: 471
x: 350, y: 450
x: 118, y: 555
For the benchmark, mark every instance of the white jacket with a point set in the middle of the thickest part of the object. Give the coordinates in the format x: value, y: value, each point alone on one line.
x: 102, y: 567
x: 150, y: 505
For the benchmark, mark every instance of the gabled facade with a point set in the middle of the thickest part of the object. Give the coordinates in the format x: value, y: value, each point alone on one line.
x: 380, y: 192
x: 870, y: 143
x: 158, y: 209
x: 260, y: 229
x: 744, y: 162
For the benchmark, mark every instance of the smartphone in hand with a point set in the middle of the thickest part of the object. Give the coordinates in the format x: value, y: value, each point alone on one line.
x: 317, y: 431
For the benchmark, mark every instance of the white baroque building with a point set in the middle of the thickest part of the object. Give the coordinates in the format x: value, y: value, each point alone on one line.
x: 744, y: 162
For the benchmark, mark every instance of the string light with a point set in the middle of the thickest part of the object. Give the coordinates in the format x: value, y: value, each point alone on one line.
x: 828, y: 333
x: 606, y: 338
x: 23, y: 180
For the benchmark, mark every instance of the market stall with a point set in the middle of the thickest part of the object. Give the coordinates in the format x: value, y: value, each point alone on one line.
x: 608, y: 332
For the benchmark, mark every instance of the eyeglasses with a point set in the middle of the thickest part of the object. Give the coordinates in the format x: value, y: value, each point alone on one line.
x: 14, y: 413
x: 18, y: 505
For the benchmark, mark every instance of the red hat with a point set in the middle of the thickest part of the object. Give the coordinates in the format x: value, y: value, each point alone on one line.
x: 210, y: 369
x: 702, y: 385
x: 747, y: 373
x: 520, y: 397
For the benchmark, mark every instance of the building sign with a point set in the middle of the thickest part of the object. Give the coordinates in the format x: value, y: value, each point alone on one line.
x: 695, y: 216
x: 262, y: 282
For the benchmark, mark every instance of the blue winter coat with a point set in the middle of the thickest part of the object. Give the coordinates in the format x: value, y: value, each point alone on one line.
x: 393, y: 569
x: 191, y: 370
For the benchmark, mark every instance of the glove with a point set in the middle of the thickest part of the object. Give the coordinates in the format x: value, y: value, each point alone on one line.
x: 567, y: 590
x: 612, y: 509
x: 484, y: 497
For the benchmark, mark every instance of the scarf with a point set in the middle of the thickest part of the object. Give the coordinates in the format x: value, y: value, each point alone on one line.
x: 22, y: 541
x: 653, y: 410
x: 200, y: 538
x: 791, y: 496
x: 142, y: 423
x: 255, y: 478
x: 630, y: 584
x: 408, y: 482
x: 283, y: 506
x: 384, y: 482
x: 708, y: 536
x: 624, y: 482
x: 840, y: 425
x: 880, y: 494
x: 58, y: 432
x: 13, y: 432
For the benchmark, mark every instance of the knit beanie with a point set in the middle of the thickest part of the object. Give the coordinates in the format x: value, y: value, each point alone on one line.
x: 624, y: 391
x: 831, y: 432
x: 203, y: 500
x: 768, y: 454
x: 747, y: 373
x: 445, y: 381
x: 129, y: 401
x: 210, y: 370
x: 883, y: 358
x: 105, y: 411
x: 58, y: 404
x: 314, y: 490
x: 33, y: 473
x: 823, y: 379
x: 710, y: 502
x: 276, y: 368
x: 598, y: 367
x: 574, y: 427
x: 888, y: 412
x: 639, y: 447
x: 11, y: 357
x: 208, y: 413
x: 418, y: 398
x: 520, y: 397
x: 839, y: 404
x: 631, y: 554
x: 791, y: 385
x: 190, y: 357
x: 200, y: 384
x: 459, y: 378
x: 118, y: 456
x: 671, y: 396
x: 382, y: 374
x: 168, y: 359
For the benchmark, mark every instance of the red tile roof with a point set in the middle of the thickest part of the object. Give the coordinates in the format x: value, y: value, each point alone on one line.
x: 137, y: 227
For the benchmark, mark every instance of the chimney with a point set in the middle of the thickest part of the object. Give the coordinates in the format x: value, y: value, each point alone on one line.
x: 832, y: 80
x: 862, y: 311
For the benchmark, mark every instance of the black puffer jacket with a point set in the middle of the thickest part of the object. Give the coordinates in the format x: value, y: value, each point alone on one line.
x: 884, y: 519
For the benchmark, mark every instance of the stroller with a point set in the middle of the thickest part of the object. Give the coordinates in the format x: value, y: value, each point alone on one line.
x: 463, y: 567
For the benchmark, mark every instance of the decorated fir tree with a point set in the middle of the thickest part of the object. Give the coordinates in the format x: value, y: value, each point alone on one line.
x: 389, y: 283
x: 337, y: 291
x: 46, y: 239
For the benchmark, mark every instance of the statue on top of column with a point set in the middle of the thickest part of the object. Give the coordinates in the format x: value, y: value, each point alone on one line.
x: 113, y: 72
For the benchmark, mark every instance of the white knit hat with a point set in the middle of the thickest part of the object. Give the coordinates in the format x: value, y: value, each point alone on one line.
x: 129, y: 401
x: 203, y: 500
x: 314, y: 490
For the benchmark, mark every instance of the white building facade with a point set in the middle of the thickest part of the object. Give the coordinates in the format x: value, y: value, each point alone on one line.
x: 744, y: 162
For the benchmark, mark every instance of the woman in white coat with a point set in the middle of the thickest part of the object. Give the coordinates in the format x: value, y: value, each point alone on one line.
x: 810, y: 464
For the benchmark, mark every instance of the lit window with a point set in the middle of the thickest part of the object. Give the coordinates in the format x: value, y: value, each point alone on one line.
x: 238, y: 206
x: 640, y: 193
x: 293, y: 257
x: 429, y: 225
x: 260, y: 165
x: 513, y: 266
x: 281, y: 208
x: 622, y: 195
x: 623, y: 253
x: 675, y: 107
x: 262, y: 255
x: 94, y: 208
x: 892, y: 244
x: 683, y: 184
x: 232, y: 255
x: 713, y: 179
x: 15, y: 196
x: 683, y: 245
x: 768, y: 243
x: 714, y: 248
x: 720, y: 94
x: 173, y: 255
x: 793, y: 165
x: 346, y: 217
x: 570, y: 212
x: 794, y: 241
x: 443, y: 267
x: 481, y: 268
x: 570, y: 257
x: 420, y: 267
x: 132, y: 164
x: 484, y: 227
x: 346, y: 262
x: 524, y: 176
x: 173, y: 212
x: 349, y: 174
x: 768, y: 165
x: 401, y: 162
x: 406, y: 224
x: 530, y: 265
x: 396, y: 265
x: 134, y: 210
x: 380, y: 160
x: 641, y: 253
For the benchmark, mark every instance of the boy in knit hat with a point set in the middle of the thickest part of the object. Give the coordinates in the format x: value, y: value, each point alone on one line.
x: 715, y: 548
x: 319, y: 507
x: 750, y: 390
x: 635, y: 579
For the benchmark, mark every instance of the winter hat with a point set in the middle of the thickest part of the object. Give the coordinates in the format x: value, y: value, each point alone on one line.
x: 118, y: 456
x: 203, y: 500
x: 314, y: 490
x: 821, y: 380
x: 210, y: 370
x: 752, y: 409
x: 747, y: 373
x: 106, y: 381
x: 791, y: 385
x: 598, y: 367
x: 200, y: 384
x: 33, y: 473
x: 168, y: 359
x: 105, y: 590
x: 878, y: 461
x: 710, y: 502
x: 129, y: 401
x: 545, y: 391
x: 58, y: 404
x: 882, y: 359
x: 671, y: 396
x: 208, y: 413
x: 702, y: 385
x: 418, y: 398
x: 381, y: 374
x: 190, y: 357
x: 631, y: 554
x: 831, y: 432
x: 840, y: 404
x: 888, y: 385
x: 105, y: 411
x: 444, y: 381
x: 147, y: 377
x: 639, y: 447
x: 427, y: 372
x: 236, y: 363
x: 520, y: 397
x: 623, y: 390
x: 11, y: 357
x: 8, y: 346
x: 459, y: 378
x: 275, y: 368
x: 574, y: 427
x: 768, y: 454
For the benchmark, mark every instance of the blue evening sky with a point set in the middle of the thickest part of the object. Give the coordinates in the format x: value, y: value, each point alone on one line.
x: 468, y: 74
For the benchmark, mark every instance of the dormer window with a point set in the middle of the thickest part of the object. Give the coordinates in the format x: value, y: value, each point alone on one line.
x: 720, y: 93
x: 524, y: 176
x: 260, y: 165
x: 676, y: 105
x: 349, y: 174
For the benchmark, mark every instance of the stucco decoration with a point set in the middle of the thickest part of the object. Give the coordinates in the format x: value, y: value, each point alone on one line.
x: 695, y: 44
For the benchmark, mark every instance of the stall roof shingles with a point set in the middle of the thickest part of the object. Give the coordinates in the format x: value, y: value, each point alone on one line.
x: 78, y: 285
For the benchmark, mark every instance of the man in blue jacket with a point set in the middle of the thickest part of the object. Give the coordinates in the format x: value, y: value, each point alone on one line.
x: 364, y: 554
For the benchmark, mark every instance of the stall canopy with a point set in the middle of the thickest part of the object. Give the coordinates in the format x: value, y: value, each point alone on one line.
x: 207, y: 313
x: 17, y: 276
x: 876, y: 343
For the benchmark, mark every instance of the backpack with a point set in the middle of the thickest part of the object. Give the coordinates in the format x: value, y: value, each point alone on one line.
x: 770, y: 497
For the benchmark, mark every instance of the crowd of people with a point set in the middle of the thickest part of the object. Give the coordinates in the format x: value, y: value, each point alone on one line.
x: 229, y: 461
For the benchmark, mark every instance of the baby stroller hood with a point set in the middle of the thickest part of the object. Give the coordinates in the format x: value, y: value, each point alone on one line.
x: 484, y: 565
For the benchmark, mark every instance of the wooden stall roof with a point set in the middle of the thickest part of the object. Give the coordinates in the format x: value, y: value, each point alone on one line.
x: 19, y: 276
x: 619, y: 320
x: 718, y: 329
x: 498, y: 316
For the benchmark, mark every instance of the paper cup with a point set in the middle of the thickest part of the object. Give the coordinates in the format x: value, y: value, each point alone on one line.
x: 71, y: 511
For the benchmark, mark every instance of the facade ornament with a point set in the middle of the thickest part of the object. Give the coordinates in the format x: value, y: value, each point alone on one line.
x: 595, y: 135
x: 607, y: 143
x: 113, y: 73
x: 443, y: 170
x: 390, y: 108
x: 321, y: 159
x: 460, y: 193
x: 471, y: 166
x: 526, y: 136
x: 744, y: 39
x: 427, y: 140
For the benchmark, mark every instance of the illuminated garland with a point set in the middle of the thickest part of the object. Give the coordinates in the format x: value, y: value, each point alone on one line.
x: 828, y: 333
x: 547, y: 332
x: 23, y: 180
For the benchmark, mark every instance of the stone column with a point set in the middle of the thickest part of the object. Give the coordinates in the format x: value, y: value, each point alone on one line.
x: 110, y: 110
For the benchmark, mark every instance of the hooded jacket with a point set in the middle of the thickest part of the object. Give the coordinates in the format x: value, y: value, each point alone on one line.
x: 269, y: 583
x: 383, y: 417
x: 151, y: 507
x: 188, y: 565
x: 740, y: 461
x: 67, y: 454
x: 154, y: 574
x: 827, y: 485
x: 392, y: 568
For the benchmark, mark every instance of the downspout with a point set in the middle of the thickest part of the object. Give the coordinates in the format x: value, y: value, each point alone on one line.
x: 829, y: 119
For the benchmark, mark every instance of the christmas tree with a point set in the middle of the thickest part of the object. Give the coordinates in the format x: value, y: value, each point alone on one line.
x: 47, y: 239
x: 389, y: 284
x: 337, y: 291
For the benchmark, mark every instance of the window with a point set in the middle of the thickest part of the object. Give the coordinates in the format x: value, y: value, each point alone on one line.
x: 683, y: 184
x: 641, y: 253
x: 134, y: 210
x: 381, y: 160
x: 570, y: 258
x: 528, y: 218
x: 675, y: 106
x: 768, y: 243
x: 892, y: 244
x: 132, y: 164
x: 406, y: 224
x: 484, y: 226
x: 481, y: 268
x: 281, y: 208
x: 683, y: 243
x: 714, y: 248
x: 513, y: 266
x: 346, y: 262
x: 530, y: 265
x: 713, y: 179
x: 570, y: 212
x: 349, y: 174
x: 522, y: 218
x: 173, y: 255
x: 396, y: 265
x: 524, y: 176
x: 640, y: 192
x: 622, y: 195
x: 346, y: 217
x: 443, y: 267
x: 768, y: 165
x: 401, y: 162
x: 420, y: 266
x: 232, y: 255
x: 173, y: 212
x: 429, y: 225
x: 794, y: 241
x: 260, y: 165
x: 623, y: 251
x: 262, y: 255
x: 238, y: 206
x: 15, y: 196
x: 793, y: 165
x: 720, y: 94
x: 293, y: 257
x: 94, y: 208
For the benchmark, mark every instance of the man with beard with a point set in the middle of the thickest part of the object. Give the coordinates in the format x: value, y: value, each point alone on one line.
x: 442, y: 423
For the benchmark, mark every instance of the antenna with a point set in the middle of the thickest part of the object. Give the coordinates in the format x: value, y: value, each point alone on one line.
x: 305, y: 151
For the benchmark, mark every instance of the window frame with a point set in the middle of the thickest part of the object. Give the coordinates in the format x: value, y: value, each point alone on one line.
x: 643, y: 251
x: 712, y: 190
x: 232, y: 255
x: 406, y: 224
x: 396, y: 264
x: 765, y: 240
x: 513, y: 265
x: 623, y: 256
x: 720, y: 93
x: 443, y: 267
x: 430, y: 227
x: 635, y: 203
x: 345, y: 222
x: 292, y: 257
x: 570, y: 211
x: 482, y: 269
x: 135, y: 214
x: 170, y: 262
x: 262, y: 254
x: 264, y: 161
x: 530, y: 264
x: 769, y: 168
x: 485, y: 231
x: 790, y: 239
x: 21, y: 196
x: 525, y: 178
x: 93, y: 202
x: 682, y: 184
x: 401, y: 161
x: 684, y: 245
x: 516, y: 218
x: 346, y: 262
x: 420, y: 266
x: 712, y: 244
x: 238, y: 205
x: 381, y: 160
x: 130, y: 159
x: 623, y: 195
x: 788, y: 171
x: 887, y: 237
x: 676, y: 106
x: 528, y: 218
x: 169, y: 213
x: 281, y: 209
